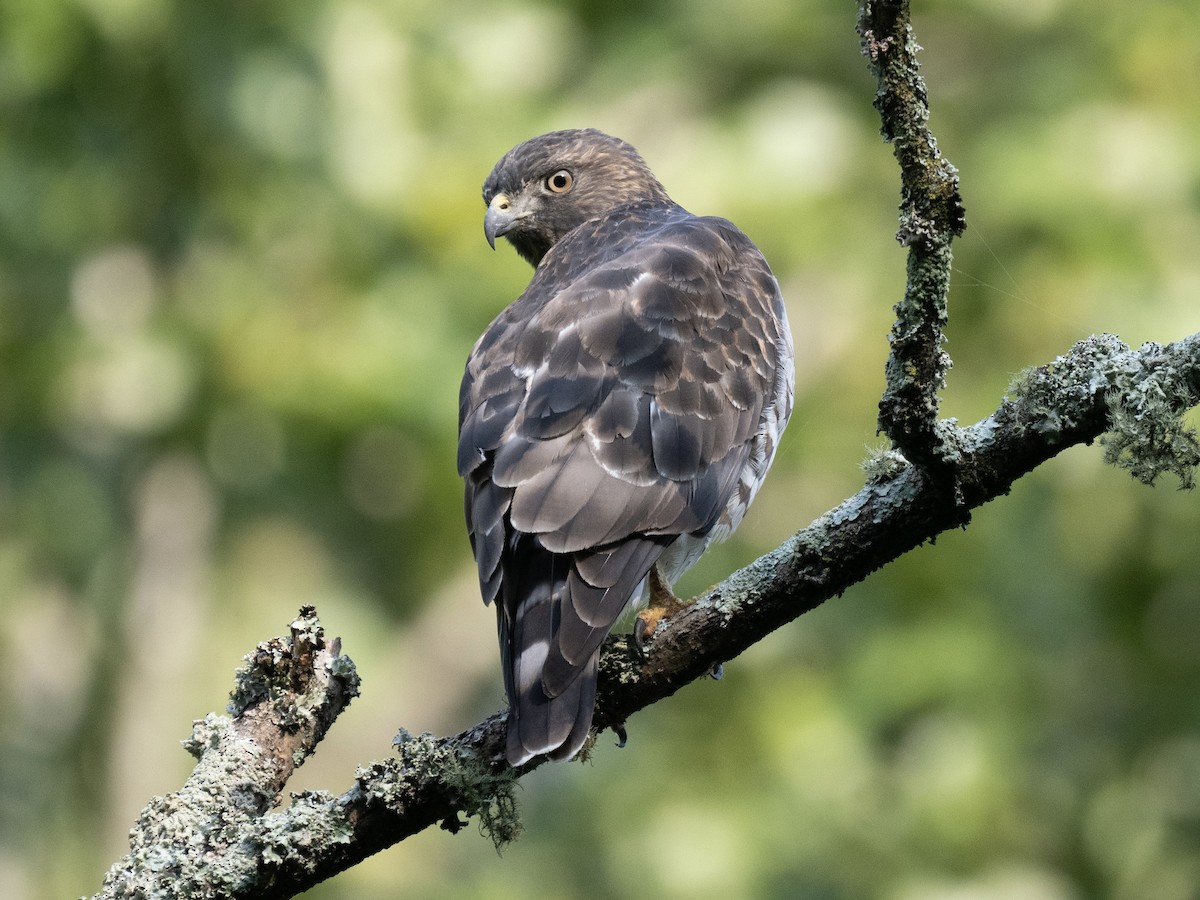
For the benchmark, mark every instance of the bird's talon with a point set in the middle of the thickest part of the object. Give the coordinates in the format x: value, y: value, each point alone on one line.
x: 622, y: 735
x: 717, y: 672
x: 639, y: 639
x: 644, y: 626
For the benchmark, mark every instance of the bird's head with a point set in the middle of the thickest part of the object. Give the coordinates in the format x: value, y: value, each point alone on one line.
x: 549, y: 185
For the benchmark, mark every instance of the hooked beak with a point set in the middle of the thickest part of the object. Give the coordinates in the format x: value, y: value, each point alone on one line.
x: 501, y: 218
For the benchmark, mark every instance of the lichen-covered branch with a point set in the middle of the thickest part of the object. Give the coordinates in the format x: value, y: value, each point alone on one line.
x: 206, y: 840
x: 1068, y: 402
x: 931, y: 216
x: 437, y: 781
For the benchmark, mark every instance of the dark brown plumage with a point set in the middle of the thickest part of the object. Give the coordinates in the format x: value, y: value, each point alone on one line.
x: 620, y: 414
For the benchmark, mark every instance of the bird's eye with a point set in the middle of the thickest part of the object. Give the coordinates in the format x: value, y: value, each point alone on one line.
x: 560, y: 182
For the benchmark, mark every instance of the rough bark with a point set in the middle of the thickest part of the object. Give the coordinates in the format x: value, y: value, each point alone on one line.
x: 931, y: 216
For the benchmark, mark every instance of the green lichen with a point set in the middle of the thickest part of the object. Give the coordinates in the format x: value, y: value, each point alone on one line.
x: 1146, y: 394
x: 1061, y: 396
x: 207, y: 733
x: 883, y: 464
x: 179, y: 846
x: 490, y: 795
x: 1148, y: 435
x: 313, y: 821
x: 477, y: 789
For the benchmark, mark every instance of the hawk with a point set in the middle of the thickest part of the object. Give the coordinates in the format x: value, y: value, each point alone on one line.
x: 615, y: 419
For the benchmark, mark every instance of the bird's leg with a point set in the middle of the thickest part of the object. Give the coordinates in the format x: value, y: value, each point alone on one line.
x: 662, y: 604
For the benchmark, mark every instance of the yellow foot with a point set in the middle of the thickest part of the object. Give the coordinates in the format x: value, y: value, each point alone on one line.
x: 663, y: 604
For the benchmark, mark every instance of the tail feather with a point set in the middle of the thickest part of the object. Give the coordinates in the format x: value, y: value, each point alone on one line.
x: 557, y: 726
x: 540, y: 722
x: 554, y: 612
x: 544, y: 718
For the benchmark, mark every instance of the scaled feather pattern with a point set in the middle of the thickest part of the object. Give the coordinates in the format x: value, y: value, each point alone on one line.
x: 621, y: 414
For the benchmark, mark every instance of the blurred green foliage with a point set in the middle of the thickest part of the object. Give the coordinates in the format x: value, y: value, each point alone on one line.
x: 241, y: 265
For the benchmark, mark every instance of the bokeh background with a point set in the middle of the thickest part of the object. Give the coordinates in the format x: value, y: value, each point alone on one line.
x: 241, y: 266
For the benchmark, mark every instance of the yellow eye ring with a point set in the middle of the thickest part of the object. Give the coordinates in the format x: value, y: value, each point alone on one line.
x: 560, y: 182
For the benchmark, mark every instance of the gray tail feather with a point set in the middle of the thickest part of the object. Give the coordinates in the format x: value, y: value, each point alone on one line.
x: 538, y: 722
x: 557, y: 726
x: 552, y: 622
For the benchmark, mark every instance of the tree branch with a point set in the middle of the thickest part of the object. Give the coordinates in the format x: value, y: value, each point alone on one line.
x: 931, y: 216
x: 202, y: 841
x: 217, y: 837
x: 432, y: 781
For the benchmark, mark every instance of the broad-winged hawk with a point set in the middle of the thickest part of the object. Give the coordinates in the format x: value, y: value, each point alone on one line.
x: 619, y: 415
